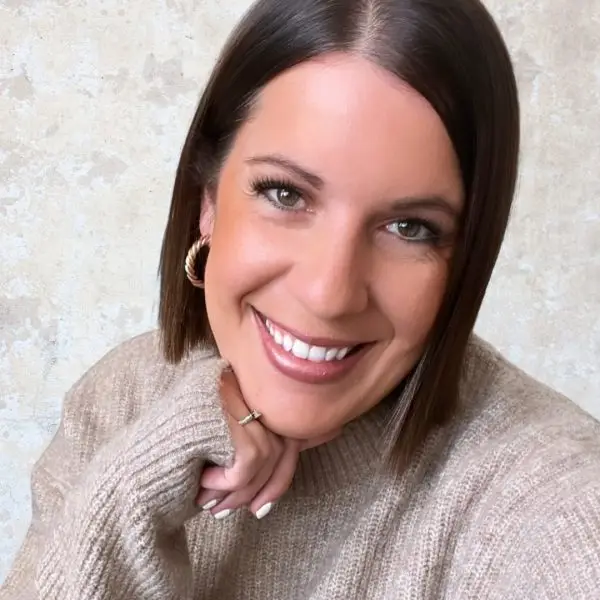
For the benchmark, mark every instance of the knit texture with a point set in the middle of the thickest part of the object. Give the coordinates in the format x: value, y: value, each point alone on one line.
x: 502, y: 503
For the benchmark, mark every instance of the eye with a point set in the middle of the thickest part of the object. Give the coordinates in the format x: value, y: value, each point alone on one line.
x: 283, y: 197
x: 413, y: 230
x: 280, y: 194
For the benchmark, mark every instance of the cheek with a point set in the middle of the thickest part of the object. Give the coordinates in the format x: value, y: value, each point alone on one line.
x: 245, y: 256
x: 413, y: 299
x: 242, y: 258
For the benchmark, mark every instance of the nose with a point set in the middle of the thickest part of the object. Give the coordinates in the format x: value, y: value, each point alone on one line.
x: 331, y: 274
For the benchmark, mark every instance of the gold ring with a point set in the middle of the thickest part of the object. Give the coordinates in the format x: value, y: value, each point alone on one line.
x: 253, y: 416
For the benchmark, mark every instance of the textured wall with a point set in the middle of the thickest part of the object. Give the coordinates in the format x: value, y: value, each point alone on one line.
x: 95, y: 99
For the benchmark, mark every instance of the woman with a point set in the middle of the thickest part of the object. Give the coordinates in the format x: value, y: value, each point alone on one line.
x: 315, y: 418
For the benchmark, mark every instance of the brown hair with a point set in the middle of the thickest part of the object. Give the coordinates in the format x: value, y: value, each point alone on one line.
x: 452, y: 53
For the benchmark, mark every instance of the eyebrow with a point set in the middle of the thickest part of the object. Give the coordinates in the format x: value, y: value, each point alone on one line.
x: 434, y: 202
x: 438, y: 203
x: 280, y: 161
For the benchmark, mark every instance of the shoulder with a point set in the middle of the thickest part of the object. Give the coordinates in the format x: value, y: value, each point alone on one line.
x: 501, y: 404
x: 524, y: 462
x: 514, y: 428
x: 520, y: 445
x: 128, y: 380
x: 140, y: 363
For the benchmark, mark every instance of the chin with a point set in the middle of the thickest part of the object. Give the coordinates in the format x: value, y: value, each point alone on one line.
x: 297, y: 414
x: 286, y: 427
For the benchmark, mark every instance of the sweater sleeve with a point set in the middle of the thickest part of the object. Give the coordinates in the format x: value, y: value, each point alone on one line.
x: 109, y: 507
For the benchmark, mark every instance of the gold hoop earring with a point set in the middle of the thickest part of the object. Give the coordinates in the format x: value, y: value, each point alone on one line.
x: 190, y: 261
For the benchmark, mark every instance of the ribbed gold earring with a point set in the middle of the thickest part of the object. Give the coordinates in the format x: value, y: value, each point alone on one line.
x: 190, y: 261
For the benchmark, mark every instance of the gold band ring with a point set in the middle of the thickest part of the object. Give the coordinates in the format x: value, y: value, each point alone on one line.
x: 253, y: 416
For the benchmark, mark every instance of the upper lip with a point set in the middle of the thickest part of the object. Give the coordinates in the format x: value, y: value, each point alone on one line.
x: 325, y: 342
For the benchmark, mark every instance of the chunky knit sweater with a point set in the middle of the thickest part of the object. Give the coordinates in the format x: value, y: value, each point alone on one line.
x: 502, y: 503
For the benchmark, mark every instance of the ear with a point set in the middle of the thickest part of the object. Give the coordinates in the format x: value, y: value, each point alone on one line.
x: 207, y: 215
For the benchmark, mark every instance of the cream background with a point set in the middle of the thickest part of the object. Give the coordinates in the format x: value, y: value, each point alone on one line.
x: 95, y: 99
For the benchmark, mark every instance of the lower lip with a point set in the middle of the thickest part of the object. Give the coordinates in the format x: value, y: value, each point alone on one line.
x: 302, y: 370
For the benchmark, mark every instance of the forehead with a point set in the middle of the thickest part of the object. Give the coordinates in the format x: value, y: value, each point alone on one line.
x: 357, y: 125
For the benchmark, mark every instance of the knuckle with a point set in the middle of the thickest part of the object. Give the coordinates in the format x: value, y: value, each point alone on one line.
x: 258, y: 452
x: 252, y: 456
x: 239, y: 480
x: 265, y: 452
x: 247, y: 469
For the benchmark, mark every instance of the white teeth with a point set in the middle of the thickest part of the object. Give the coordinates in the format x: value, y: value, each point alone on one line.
x: 288, y: 342
x: 300, y: 349
x: 317, y: 354
x: 342, y: 353
x: 303, y: 350
x: 331, y: 354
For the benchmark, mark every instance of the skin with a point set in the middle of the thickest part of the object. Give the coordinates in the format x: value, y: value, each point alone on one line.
x: 349, y: 260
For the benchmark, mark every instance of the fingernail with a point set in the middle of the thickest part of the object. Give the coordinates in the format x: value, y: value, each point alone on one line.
x: 264, y: 510
x: 210, y: 505
x: 223, y: 514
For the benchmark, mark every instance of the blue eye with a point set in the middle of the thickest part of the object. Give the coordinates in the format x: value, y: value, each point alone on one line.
x: 413, y: 230
x: 280, y: 194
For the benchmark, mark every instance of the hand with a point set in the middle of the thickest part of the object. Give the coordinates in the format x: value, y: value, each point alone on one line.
x: 264, y: 463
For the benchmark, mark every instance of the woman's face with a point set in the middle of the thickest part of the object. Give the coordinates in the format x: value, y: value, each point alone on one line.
x: 332, y: 230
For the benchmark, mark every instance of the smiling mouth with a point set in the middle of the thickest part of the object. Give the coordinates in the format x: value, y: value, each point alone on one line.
x: 301, y: 349
x: 311, y: 360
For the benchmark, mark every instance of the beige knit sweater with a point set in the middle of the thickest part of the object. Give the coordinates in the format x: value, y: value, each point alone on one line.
x: 502, y: 503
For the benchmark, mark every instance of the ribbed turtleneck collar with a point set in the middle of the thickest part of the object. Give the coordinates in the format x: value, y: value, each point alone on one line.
x: 354, y: 456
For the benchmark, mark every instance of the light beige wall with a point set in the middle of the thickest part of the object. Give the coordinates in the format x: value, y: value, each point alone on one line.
x: 95, y: 99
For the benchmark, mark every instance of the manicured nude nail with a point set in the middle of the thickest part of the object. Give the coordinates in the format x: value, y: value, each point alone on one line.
x: 210, y: 505
x: 223, y: 514
x: 264, y: 510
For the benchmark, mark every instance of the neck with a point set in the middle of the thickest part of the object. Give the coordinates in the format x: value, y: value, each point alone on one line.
x: 357, y: 453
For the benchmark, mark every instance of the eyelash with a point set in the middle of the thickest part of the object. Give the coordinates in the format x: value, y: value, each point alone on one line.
x: 262, y: 185
x: 433, y: 238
